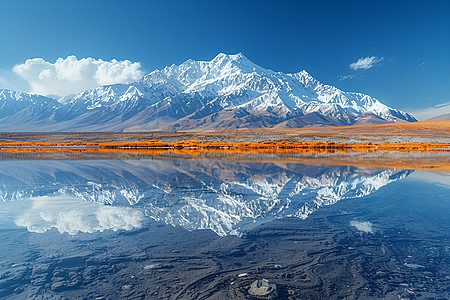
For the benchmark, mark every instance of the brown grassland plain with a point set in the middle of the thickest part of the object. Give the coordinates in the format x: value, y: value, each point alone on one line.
x: 420, y: 145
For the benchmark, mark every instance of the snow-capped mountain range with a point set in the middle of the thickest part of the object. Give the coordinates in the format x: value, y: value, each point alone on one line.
x: 226, y: 197
x: 227, y: 92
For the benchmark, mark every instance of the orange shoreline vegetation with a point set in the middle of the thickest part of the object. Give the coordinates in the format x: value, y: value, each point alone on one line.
x: 423, y: 160
x: 418, y: 156
x: 193, y: 145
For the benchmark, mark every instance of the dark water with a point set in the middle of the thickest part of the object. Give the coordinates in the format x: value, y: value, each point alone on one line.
x: 198, y: 229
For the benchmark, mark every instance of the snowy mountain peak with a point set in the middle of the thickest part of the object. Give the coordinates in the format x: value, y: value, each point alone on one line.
x: 221, y: 57
x: 12, y: 102
x: 6, y: 94
x: 229, y: 91
x: 240, y: 62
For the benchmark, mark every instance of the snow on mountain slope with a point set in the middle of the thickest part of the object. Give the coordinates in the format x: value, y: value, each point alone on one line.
x: 229, y: 91
x: 25, y: 107
x: 235, y: 82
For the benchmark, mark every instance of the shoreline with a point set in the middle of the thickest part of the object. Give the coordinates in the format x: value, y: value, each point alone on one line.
x: 416, y: 159
x: 417, y: 132
x: 419, y: 145
x: 194, y: 145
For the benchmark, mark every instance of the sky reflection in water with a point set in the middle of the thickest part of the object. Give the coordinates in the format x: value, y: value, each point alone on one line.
x: 132, y: 228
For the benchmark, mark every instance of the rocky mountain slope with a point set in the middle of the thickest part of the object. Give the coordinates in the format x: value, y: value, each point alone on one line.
x: 227, y: 92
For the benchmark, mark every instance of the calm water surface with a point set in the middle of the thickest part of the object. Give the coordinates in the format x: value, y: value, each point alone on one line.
x: 199, y: 229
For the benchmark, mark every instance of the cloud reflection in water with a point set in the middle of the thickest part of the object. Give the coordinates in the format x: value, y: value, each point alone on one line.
x: 72, y: 215
x: 365, y: 227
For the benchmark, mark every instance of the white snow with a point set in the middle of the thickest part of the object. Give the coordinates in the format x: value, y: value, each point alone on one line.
x: 225, y: 82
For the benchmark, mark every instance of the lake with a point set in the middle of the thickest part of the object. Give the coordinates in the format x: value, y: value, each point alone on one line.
x: 180, y: 228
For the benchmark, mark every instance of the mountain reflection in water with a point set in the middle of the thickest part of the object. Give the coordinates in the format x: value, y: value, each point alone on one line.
x: 127, y: 229
x: 226, y: 197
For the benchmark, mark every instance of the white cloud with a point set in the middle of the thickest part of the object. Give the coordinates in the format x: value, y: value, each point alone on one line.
x: 430, y: 112
x: 345, y: 77
x: 71, y: 75
x: 72, y: 215
x: 365, y: 227
x: 425, y: 62
x: 365, y: 63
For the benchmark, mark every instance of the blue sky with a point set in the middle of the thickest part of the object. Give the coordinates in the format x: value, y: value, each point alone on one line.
x: 409, y: 39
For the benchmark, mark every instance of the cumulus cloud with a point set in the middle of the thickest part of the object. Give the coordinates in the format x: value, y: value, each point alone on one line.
x: 72, y: 215
x: 365, y: 227
x: 72, y: 75
x: 365, y: 63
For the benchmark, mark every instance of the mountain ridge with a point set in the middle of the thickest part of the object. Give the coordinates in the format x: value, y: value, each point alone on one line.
x: 227, y: 92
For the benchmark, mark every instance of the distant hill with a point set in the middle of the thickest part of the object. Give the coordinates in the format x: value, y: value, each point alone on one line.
x: 227, y: 92
x: 443, y: 117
